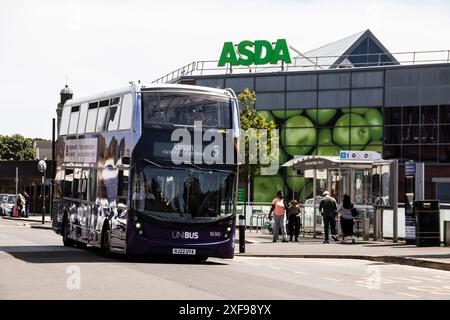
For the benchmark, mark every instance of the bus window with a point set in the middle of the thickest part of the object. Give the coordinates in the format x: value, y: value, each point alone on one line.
x: 113, y: 118
x: 75, y: 112
x: 76, y: 183
x: 92, y: 186
x: 64, y: 125
x: 101, y: 117
x: 68, y: 179
x: 84, y: 184
x: 92, y: 116
x: 127, y: 112
x: 122, y: 190
x: 82, y: 120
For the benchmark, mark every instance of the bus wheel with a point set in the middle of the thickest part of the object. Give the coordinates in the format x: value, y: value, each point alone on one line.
x: 65, y: 233
x: 106, y: 241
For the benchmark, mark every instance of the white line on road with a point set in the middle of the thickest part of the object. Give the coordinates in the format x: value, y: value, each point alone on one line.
x: 274, y: 268
x: 302, y: 273
x: 408, y: 295
x: 332, y: 279
x: 428, y: 279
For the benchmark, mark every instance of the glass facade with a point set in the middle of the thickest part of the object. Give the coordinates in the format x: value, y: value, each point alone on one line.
x: 415, y: 133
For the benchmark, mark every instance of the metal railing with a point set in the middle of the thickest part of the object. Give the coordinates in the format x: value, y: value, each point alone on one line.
x: 304, y: 63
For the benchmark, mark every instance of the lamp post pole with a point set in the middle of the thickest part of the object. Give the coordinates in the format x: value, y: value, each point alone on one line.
x: 42, y: 166
x: 43, y: 198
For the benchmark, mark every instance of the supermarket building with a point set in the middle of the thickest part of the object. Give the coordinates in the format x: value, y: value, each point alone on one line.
x: 409, y: 91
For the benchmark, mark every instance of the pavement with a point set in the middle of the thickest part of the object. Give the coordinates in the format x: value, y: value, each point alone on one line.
x: 33, y: 221
x: 260, y: 245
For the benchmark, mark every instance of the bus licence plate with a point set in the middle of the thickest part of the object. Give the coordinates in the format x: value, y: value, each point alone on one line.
x: 183, y: 251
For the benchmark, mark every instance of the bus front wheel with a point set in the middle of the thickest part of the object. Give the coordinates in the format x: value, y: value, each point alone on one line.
x: 106, y: 241
x: 65, y: 233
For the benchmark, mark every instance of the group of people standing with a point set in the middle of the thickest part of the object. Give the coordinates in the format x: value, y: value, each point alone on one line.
x: 328, y: 208
x: 22, y: 205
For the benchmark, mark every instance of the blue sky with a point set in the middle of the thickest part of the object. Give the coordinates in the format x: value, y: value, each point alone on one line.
x: 103, y: 44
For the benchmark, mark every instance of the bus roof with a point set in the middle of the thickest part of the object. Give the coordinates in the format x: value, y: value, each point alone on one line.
x: 140, y: 88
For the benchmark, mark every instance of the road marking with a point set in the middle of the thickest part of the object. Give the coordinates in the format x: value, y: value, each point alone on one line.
x: 302, y: 273
x: 274, y: 268
x: 408, y: 295
x: 427, y: 279
x: 404, y: 279
x: 332, y: 279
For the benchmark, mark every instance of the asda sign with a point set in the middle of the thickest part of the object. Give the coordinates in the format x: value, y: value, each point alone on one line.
x: 259, y: 52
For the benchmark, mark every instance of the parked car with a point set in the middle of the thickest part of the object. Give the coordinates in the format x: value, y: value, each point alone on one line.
x: 7, y: 205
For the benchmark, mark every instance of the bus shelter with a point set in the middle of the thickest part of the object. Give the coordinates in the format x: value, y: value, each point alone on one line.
x: 371, y: 183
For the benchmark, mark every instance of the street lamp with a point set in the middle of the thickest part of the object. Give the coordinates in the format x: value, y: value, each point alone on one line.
x: 42, y: 166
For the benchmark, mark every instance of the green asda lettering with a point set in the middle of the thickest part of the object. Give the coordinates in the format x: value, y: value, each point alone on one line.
x: 258, y: 53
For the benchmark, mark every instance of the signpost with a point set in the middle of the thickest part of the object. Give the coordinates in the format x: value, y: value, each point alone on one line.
x: 42, y: 167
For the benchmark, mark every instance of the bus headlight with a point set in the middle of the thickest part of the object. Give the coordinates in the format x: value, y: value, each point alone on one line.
x: 138, y: 225
x: 226, y: 234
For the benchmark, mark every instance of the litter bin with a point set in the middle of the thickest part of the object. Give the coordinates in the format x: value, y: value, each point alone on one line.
x: 428, y: 232
x: 447, y: 233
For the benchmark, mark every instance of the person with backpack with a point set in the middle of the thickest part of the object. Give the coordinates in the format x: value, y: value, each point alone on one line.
x: 279, y: 209
x: 294, y: 219
x: 347, y: 212
x: 328, y: 209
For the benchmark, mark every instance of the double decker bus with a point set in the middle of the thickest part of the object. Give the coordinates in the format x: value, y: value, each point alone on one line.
x: 117, y: 186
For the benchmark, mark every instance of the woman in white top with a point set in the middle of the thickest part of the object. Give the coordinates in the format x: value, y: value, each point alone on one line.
x: 345, y: 210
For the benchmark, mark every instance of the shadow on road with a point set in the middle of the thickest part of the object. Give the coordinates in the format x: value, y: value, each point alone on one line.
x: 59, y: 254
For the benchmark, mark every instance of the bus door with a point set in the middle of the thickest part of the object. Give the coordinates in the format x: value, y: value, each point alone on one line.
x: 119, y: 221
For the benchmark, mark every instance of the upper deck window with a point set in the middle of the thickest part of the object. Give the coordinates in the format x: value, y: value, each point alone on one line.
x: 112, y: 118
x: 126, y: 114
x: 92, y: 117
x: 83, y: 117
x: 101, y: 117
x: 185, y: 108
x: 75, y: 112
x: 64, y: 125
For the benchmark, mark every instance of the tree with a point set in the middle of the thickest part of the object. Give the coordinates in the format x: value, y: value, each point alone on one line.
x: 16, y: 147
x: 251, y: 119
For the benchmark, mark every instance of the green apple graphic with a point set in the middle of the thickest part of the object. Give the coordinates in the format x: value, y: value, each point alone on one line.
x: 266, y: 114
x: 375, y: 146
x: 330, y: 150
x: 324, y: 137
x: 299, y: 134
x: 358, y: 134
x: 359, y: 111
x: 321, y: 116
x: 294, y: 181
x: 289, y: 113
x: 374, y: 118
x: 265, y: 188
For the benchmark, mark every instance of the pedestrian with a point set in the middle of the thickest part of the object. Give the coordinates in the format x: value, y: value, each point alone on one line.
x: 27, y: 203
x: 346, y: 218
x: 20, y: 204
x: 279, y: 209
x: 294, y: 219
x: 328, y: 209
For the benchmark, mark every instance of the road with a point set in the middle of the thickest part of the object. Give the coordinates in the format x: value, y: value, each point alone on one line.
x: 35, y: 265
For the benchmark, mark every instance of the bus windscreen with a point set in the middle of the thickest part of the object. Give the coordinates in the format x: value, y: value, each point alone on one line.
x: 187, y: 195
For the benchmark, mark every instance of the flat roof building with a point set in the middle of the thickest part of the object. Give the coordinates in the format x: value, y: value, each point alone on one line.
x: 353, y: 94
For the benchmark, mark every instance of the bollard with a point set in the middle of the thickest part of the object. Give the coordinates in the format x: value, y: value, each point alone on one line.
x: 447, y: 233
x: 241, y: 234
x: 365, y: 231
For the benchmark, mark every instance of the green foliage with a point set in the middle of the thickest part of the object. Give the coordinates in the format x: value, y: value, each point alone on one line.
x: 16, y: 147
x: 251, y: 119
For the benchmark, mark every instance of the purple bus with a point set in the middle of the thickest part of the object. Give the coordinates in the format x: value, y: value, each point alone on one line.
x: 126, y: 185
